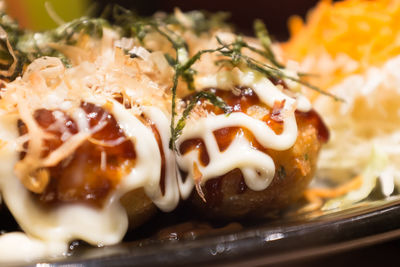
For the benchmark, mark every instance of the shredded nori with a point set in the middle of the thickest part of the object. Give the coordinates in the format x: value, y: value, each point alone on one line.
x: 27, y: 46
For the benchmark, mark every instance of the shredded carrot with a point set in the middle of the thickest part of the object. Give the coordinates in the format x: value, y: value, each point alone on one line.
x: 341, y: 38
x: 367, y: 31
x: 315, y: 196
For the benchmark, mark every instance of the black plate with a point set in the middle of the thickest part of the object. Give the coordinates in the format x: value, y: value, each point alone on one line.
x: 282, y: 240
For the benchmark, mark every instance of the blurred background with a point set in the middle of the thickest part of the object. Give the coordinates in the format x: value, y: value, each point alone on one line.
x: 33, y: 14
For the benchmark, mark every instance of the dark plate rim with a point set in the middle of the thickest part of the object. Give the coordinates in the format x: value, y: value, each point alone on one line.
x: 367, y: 224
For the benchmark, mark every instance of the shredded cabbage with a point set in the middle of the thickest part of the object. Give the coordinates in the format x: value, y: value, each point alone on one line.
x: 377, y: 163
x: 353, y: 48
x: 368, y: 118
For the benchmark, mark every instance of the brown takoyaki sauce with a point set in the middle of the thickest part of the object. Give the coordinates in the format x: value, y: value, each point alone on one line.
x: 196, y: 143
x: 96, y: 166
x: 312, y: 118
x: 241, y: 102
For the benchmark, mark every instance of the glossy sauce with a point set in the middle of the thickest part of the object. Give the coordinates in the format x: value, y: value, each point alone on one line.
x: 241, y: 102
x: 198, y: 144
x: 314, y: 119
x: 96, y: 166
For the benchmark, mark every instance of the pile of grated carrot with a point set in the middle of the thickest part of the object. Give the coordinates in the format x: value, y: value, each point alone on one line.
x: 367, y: 31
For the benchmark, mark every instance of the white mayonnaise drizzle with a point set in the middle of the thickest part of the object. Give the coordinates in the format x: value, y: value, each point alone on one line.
x: 48, y: 231
x: 170, y: 199
x: 51, y: 230
x: 103, y: 226
x: 257, y: 167
x: 19, y: 248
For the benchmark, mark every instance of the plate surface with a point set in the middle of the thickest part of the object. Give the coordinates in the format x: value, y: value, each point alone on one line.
x: 281, y: 240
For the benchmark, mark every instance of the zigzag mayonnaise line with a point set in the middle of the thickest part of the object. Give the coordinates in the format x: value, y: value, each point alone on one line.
x: 84, y: 151
x: 257, y: 167
x: 63, y: 224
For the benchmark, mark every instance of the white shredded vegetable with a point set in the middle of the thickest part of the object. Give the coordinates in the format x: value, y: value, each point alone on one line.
x: 368, y: 118
x: 377, y: 163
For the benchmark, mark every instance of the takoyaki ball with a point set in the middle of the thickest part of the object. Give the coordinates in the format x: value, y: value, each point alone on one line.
x: 139, y: 207
x: 93, y: 172
x: 228, y: 197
